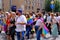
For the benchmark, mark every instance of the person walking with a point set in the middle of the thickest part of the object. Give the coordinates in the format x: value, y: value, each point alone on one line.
x: 12, y: 27
x: 8, y: 26
x: 29, y: 25
x: 20, y: 25
x: 38, y: 26
x: 54, y: 28
x: 48, y: 23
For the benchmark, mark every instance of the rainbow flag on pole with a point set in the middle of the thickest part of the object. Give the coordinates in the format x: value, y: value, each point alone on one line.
x: 45, y: 30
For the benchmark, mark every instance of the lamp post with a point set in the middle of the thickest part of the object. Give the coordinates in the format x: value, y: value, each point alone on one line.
x: 52, y: 5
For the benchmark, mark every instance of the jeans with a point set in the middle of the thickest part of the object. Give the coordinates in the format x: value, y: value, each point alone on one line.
x: 12, y: 36
x: 28, y: 29
x: 18, y: 36
x: 38, y: 32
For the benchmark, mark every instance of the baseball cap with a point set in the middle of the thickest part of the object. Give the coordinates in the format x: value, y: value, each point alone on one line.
x: 20, y: 11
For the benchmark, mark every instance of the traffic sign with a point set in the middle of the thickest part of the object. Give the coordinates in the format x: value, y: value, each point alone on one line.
x: 52, y: 6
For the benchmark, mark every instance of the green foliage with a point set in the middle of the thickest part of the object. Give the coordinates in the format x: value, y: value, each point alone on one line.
x: 56, y: 3
x: 47, y: 5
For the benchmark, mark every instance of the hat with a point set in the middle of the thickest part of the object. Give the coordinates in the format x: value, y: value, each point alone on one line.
x: 20, y: 11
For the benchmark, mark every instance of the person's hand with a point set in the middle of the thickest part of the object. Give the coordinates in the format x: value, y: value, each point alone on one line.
x: 40, y: 28
x: 22, y: 23
x: 17, y: 23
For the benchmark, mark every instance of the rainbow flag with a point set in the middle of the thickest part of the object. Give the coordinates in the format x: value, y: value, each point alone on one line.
x: 45, y: 30
x: 29, y: 20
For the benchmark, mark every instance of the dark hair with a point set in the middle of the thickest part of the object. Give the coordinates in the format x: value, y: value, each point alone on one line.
x: 28, y: 15
x: 39, y: 15
x: 31, y: 14
x: 0, y: 9
x: 56, y: 14
x: 49, y: 13
x: 36, y: 16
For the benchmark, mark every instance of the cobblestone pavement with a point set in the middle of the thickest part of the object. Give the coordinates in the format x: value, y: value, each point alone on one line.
x: 4, y: 38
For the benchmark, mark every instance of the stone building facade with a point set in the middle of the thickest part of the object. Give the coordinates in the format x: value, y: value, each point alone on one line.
x: 29, y: 5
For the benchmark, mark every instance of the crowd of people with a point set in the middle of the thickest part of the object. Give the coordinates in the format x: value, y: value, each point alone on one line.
x: 22, y: 25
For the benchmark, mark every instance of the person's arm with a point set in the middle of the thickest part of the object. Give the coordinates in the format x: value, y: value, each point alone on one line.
x: 40, y: 28
x: 41, y: 25
x: 22, y: 23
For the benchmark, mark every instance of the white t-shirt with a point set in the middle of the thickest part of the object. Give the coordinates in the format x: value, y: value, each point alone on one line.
x: 48, y: 19
x: 19, y: 27
x: 58, y: 18
x: 33, y: 15
x: 39, y: 22
x: 44, y: 16
x: 54, y: 20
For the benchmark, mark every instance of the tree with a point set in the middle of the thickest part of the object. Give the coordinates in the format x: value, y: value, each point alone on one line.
x: 56, y: 3
x: 47, y: 5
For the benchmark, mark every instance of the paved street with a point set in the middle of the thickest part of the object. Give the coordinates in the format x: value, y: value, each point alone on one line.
x: 58, y: 38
